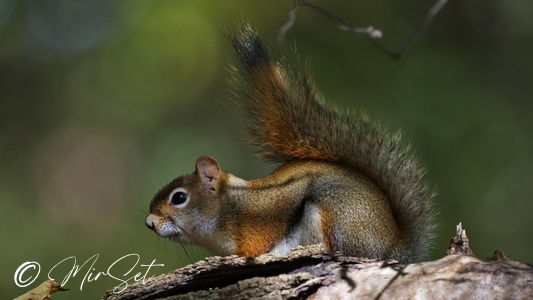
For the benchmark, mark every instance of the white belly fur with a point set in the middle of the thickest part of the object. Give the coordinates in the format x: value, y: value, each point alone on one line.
x: 307, y: 232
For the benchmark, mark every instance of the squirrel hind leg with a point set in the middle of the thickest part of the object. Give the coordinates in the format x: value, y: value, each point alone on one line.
x: 312, y: 228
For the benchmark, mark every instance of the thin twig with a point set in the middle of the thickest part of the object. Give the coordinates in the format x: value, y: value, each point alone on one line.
x: 433, y: 11
x: 290, y: 22
x: 369, y: 33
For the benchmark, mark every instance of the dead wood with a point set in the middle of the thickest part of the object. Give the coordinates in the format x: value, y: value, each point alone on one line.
x: 309, y: 272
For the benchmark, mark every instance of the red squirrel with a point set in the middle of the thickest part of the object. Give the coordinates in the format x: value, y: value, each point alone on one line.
x: 343, y: 182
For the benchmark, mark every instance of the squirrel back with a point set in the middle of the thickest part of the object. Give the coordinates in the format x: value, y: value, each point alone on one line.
x: 288, y: 121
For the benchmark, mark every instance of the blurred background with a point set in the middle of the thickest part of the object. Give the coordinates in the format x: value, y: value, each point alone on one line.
x: 104, y: 102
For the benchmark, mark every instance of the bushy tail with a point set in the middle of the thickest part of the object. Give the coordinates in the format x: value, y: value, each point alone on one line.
x: 288, y: 120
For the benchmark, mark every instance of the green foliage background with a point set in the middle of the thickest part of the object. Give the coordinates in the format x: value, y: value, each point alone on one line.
x: 103, y: 102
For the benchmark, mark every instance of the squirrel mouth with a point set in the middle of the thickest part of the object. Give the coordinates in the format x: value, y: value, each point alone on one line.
x: 168, y: 230
x: 174, y: 237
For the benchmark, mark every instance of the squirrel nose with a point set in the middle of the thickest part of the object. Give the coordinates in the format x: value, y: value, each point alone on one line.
x: 150, y: 225
x: 150, y: 222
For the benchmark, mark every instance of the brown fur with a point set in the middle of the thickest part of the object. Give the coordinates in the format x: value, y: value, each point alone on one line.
x: 289, y: 121
x: 343, y: 182
x: 327, y: 231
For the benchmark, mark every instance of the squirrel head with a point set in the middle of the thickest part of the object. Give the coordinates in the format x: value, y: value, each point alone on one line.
x: 187, y: 208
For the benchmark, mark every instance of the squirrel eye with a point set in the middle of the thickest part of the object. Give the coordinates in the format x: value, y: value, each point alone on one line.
x: 179, y: 197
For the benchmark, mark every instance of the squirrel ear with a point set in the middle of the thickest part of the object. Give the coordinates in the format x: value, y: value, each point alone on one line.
x: 208, y: 171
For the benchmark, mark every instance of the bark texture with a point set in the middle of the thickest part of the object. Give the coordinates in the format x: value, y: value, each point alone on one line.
x: 309, y: 273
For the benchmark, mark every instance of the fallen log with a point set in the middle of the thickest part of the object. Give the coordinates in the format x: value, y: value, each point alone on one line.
x: 309, y: 272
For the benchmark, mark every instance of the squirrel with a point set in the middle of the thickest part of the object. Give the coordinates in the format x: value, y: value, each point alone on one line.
x: 343, y: 182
